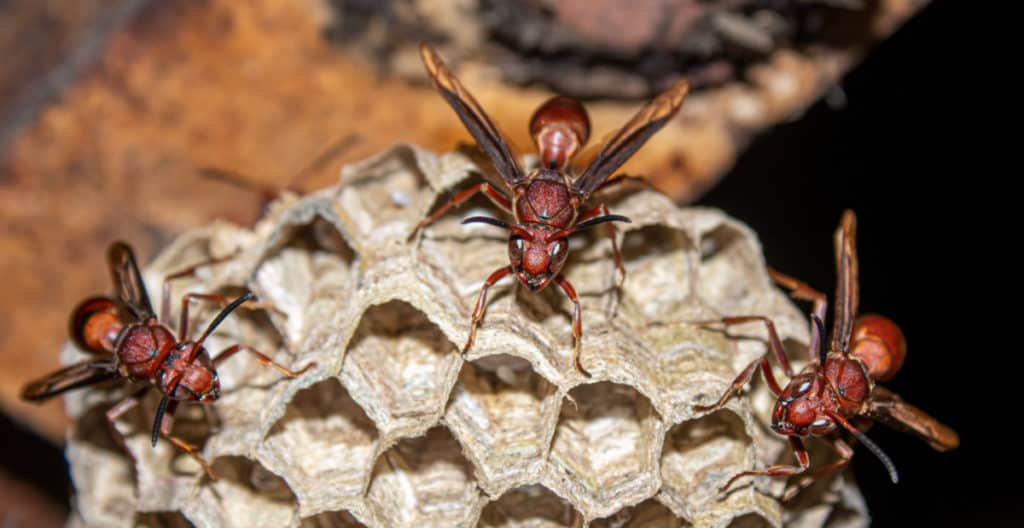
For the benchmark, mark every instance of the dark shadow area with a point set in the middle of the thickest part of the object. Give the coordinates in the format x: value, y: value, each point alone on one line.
x: 34, y: 460
x: 896, y: 155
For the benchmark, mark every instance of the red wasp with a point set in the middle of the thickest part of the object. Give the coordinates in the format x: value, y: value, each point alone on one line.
x: 137, y: 346
x: 546, y: 202
x: 836, y: 391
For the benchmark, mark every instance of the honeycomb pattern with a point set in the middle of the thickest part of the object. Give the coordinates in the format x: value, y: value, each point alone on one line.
x: 394, y: 427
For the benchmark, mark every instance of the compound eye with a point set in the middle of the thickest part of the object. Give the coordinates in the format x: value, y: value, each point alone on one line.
x: 803, y: 388
x: 556, y: 248
x: 518, y: 243
x: 821, y: 422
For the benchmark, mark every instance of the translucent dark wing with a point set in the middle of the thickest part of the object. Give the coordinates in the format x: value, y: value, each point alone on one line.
x: 68, y: 378
x: 847, y: 289
x: 889, y: 409
x: 131, y: 291
x: 484, y: 131
x: 631, y: 137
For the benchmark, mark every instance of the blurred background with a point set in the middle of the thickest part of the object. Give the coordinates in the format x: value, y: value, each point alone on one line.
x: 112, y: 112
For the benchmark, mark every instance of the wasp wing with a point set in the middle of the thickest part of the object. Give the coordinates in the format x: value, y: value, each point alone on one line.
x: 131, y: 290
x: 624, y: 143
x: 888, y: 408
x: 847, y: 288
x: 484, y: 131
x: 69, y: 378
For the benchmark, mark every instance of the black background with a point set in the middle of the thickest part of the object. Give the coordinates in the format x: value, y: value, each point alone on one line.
x: 898, y: 154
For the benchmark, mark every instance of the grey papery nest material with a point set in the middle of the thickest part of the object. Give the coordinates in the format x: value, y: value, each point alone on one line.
x: 394, y: 428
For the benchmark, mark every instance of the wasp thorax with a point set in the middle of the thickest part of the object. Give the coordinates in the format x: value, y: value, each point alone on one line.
x: 545, y: 201
x: 140, y: 344
x: 849, y: 379
x: 560, y: 127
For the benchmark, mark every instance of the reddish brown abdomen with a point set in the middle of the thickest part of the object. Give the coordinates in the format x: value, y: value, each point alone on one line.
x: 559, y: 128
x: 142, y: 349
x: 96, y: 324
x: 879, y: 343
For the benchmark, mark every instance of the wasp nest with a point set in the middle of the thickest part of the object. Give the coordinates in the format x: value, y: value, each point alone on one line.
x: 393, y: 427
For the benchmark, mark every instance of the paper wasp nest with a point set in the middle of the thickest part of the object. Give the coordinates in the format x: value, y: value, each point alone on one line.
x: 394, y: 428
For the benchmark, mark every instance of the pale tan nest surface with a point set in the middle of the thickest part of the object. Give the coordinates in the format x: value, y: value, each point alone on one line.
x: 394, y: 428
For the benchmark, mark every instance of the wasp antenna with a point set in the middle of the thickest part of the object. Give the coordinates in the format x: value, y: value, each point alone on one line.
x: 873, y: 447
x: 221, y: 316
x: 485, y: 220
x: 602, y: 219
x: 590, y: 223
x: 159, y: 418
x: 822, y: 349
x: 884, y: 458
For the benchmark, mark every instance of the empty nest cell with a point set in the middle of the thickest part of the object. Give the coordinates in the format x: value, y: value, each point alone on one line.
x: 425, y: 482
x: 161, y: 520
x: 324, y: 445
x: 750, y: 520
x: 383, y: 197
x: 246, y: 495
x: 503, y: 414
x: 648, y: 514
x: 399, y: 367
x: 532, y: 506
x: 305, y: 275
x: 604, y: 455
x: 699, y: 456
x: 658, y: 268
x: 731, y: 276
x: 333, y: 519
x: 464, y: 254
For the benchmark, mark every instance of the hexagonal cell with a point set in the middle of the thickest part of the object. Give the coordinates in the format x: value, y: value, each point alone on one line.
x: 246, y: 495
x: 161, y: 520
x: 245, y: 382
x: 529, y: 507
x: 648, y: 514
x: 503, y: 414
x: 655, y: 256
x: 324, y: 445
x: 386, y: 199
x: 305, y: 273
x: 605, y: 451
x: 750, y: 520
x: 850, y: 511
x: 400, y: 368
x: 162, y: 466
x: 700, y: 456
x: 334, y: 519
x: 591, y: 265
x: 730, y: 270
x: 103, y: 476
x: 833, y: 502
x: 459, y: 252
x: 425, y: 482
